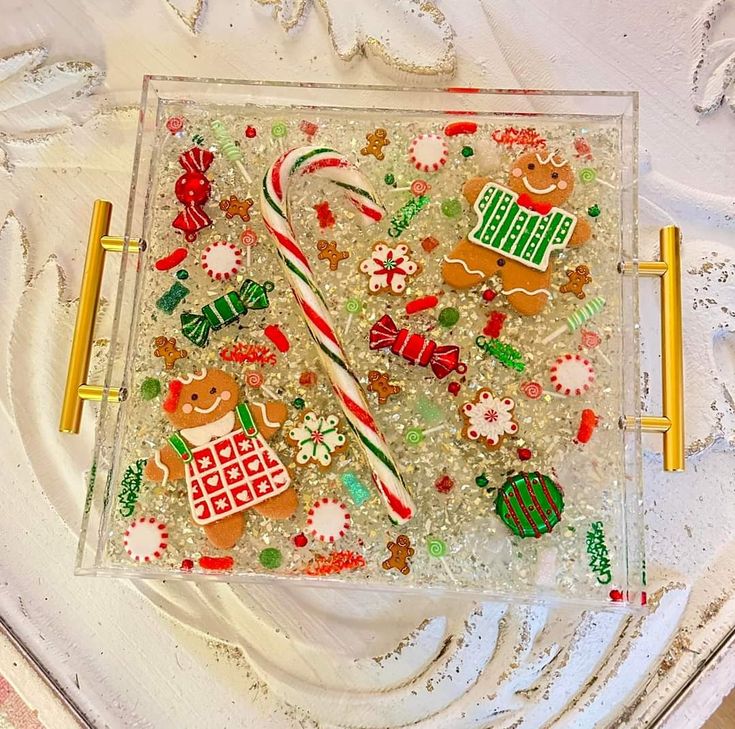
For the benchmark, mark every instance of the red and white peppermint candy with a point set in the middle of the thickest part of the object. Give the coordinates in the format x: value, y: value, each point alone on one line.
x: 145, y: 539
x: 328, y: 520
x: 572, y: 374
x: 221, y: 260
x: 428, y: 152
x: 420, y: 187
x: 590, y: 339
x: 532, y: 390
x: 175, y: 124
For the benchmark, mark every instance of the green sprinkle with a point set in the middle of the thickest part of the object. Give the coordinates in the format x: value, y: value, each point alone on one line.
x: 172, y: 298
x: 182, y: 275
x: 593, y: 211
x: 359, y: 493
x: 482, y: 481
x: 452, y: 207
x: 198, y: 139
x: 299, y: 403
x: 448, y: 317
x: 390, y: 179
x: 150, y: 388
x: 467, y: 151
x: 271, y: 558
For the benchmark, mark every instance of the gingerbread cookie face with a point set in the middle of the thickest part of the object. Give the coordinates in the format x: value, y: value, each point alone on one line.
x: 489, y: 419
x: 546, y: 177
x: 200, y: 398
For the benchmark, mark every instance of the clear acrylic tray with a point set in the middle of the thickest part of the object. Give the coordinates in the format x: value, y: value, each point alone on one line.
x: 517, y: 488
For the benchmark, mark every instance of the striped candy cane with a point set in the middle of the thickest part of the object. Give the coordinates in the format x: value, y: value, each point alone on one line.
x: 322, y: 162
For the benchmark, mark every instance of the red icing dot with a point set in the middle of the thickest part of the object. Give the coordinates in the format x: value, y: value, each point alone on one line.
x: 187, y: 565
x: 300, y: 540
x: 454, y: 388
x: 488, y: 295
x: 525, y: 454
x: 250, y: 132
x: 616, y: 596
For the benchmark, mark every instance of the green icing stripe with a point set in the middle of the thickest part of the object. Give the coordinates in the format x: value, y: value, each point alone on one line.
x: 300, y: 161
x: 356, y: 190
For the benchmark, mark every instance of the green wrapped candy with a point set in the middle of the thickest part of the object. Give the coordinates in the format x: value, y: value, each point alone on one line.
x: 530, y: 504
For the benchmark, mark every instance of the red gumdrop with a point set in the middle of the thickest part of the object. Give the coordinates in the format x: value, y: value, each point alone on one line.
x: 250, y: 132
x: 300, y: 540
x: 488, y: 295
x: 187, y: 565
x: 454, y: 388
x: 192, y: 188
x: 444, y: 484
x: 494, y: 324
x: 525, y: 454
x: 616, y: 595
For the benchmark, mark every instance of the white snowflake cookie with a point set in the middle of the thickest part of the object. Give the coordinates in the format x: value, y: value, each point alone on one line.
x: 317, y: 439
x: 389, y: 268
x: 489, y: 418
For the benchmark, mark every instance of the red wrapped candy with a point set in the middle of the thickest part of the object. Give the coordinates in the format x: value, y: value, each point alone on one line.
x: 192, y: 189
x: 415, y: 348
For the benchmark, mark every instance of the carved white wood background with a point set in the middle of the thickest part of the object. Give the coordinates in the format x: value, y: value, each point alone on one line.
x: 185, y: 655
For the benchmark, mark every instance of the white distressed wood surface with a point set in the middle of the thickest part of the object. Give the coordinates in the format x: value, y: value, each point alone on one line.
x: 160, y: 655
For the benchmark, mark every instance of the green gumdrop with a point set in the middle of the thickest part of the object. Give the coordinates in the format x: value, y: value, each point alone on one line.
x: 299, y: 403
x: 452, y: 207
x: 150, y: 388
x: 389, y: 179
x: 482, y: 481
x: 448, y: 317
x: 182, y: 275
x: 271, y: 558
x: 467, y: 151
x: 429, y: 411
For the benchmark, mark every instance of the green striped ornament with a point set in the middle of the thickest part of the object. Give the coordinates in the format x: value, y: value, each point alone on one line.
x: 530, y: 504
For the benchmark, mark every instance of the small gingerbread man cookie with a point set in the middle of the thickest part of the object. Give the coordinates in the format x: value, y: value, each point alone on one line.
x: 380, y: 385
x: 578, y: 279
x: 400, y: 552
x: 376, y: 141
x: 234, y: 206
x: 167, y: 349
x: 328, y: 252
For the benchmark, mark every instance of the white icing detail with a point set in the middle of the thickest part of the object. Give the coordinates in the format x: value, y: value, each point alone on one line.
x: 550, y: 159
x: 188, y: 379
x: 212, y: 407
x: 164, y: 468
x: 204, y: 433
x: 264, y: 415
x: 537, y: 190
x: 469, y: 270
x: 535, y: 292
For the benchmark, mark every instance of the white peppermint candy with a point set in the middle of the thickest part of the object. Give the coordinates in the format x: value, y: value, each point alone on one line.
x: 572, y: 374
x: 145, y: 539
x: 221, y: 260
x: 428, y: 152
x: 328, y: 520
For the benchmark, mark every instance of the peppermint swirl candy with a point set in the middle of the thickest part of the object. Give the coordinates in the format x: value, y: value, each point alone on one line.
x: 590, y: 339
x: 587, y: 175
x: 532, y: 390
x: 353, y: 306
x: 420, y: 187
x: 436, y: 547
x: 175, y: 124
x: 279, y: 129
x: 414, y: 436
x: 254, y: 379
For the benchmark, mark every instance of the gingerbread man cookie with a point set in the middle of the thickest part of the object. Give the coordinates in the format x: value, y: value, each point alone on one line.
x: 517, y: 229
x: 578, y: 279
x: 400, y: 552
x: 379, y: 384
x: 167, y: 349
x: 328, y: 252
x: 233, y: 206
x: 376, y: 141
x: 221, y: 449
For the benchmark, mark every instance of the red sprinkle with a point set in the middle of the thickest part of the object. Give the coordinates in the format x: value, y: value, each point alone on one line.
x: 463, y: 127
x: 489, y: 295
x: 172, y: 260
x: 525, y: 454
x: 587, y: 425
x: 187, y: 565
x: 324, y: 215
x: 250, y: 132
x: 300, y: 540
x: 274, y: 333
x: 333, y: 563
x: 444, y: 484
x: 216, y: 563
x: 425, y: 302
x: 429, y: 243
x: 454, y: 388
x: 307, y: 378
x: 494, y: 324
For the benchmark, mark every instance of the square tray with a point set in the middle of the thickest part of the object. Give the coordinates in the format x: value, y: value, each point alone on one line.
x: 461, y: 486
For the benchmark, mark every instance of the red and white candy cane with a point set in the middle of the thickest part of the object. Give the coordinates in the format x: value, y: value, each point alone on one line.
x: 322, y: 162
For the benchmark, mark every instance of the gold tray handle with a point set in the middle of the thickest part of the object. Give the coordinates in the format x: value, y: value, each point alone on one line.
x: 671, y: 423
x: 76, y: 390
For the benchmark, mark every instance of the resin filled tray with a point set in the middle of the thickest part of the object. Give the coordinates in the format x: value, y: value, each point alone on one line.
x: 436, y: 403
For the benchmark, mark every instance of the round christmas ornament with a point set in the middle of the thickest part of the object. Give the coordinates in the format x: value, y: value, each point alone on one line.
x: 428, y: 152
x: 488, y: 418
x: 572, y: 374
x: 145, y: 539
x: 328, y: 520
x: 221, y: 260
x: 530, y: 504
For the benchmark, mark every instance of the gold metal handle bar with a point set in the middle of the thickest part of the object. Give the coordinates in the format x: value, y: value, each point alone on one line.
x: 671, y: 423
x: 76, y: 390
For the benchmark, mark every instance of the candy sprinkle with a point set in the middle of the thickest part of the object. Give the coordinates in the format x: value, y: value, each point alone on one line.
x: 452, y: 207
x: 270, y: 558
x: 414, y: 436
x: 150, y: 388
